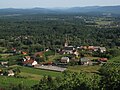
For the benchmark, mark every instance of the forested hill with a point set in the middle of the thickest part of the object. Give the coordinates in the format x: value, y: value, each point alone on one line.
x: 89, y: 9
x: 52, y: 30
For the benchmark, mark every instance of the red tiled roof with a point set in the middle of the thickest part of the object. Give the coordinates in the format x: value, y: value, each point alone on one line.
x: 28, y: 61
x: 24, y: 53
x: 103, y: 59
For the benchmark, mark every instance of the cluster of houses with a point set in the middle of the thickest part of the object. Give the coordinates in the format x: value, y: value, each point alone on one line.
x: 93, y: 48
x: 84, y: 61
x: 71, y: 50
x: 66, y: 50
x: 19, y: 51
x: 29, y: 61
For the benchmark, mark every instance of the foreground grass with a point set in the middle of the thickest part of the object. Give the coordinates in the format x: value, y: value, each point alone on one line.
x: 5, y: 81
x: 32, y: 75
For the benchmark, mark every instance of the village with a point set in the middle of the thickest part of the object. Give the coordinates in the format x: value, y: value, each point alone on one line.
x: 57, y: 61
x: 72, y: 47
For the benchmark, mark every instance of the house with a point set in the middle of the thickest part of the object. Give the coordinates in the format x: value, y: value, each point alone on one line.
x: 46, y: 49
x: 76, y: 53
x: 24, y: 53
x: 26, y: 58
x: 96, y: 48
x: 68, y: 50
x: 83, y: 47
x: 30, y: 62
x: 11, y: 73
x: 102, y: 49
x: 90, y: 47
x: 87, y: 47
x: 85, y: 61
x: 65, y: 60
x: 14, y: 49
x: 4, y: 63
x: 103, y: 59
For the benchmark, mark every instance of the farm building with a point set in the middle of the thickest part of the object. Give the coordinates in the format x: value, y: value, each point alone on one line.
x: 11, y: 73
x: 68, y: 50
x: 65, y: 60
x: 85, y: 61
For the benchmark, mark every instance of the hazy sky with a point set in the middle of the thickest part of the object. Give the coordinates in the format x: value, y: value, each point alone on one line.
x: 55, y: 3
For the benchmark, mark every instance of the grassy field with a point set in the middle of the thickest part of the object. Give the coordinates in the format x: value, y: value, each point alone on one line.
x: 115, y: 60
x: 30, y: 76
x: 36, y: 74
x: 5, y: 55
x: 91, y: 58
x: 54, y: 57
x: 2, y: 49
x: 103, y: 22
x: 89, y: 69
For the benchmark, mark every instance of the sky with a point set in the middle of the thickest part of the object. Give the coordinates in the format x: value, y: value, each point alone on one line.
x: 55, y: 3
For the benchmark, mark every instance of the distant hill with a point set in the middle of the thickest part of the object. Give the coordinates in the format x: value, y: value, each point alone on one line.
x: 73, y: 10
x: 110, y: 9
x: 25, y: 11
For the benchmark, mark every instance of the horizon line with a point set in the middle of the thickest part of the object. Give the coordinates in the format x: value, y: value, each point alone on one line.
x: 58, y: 7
